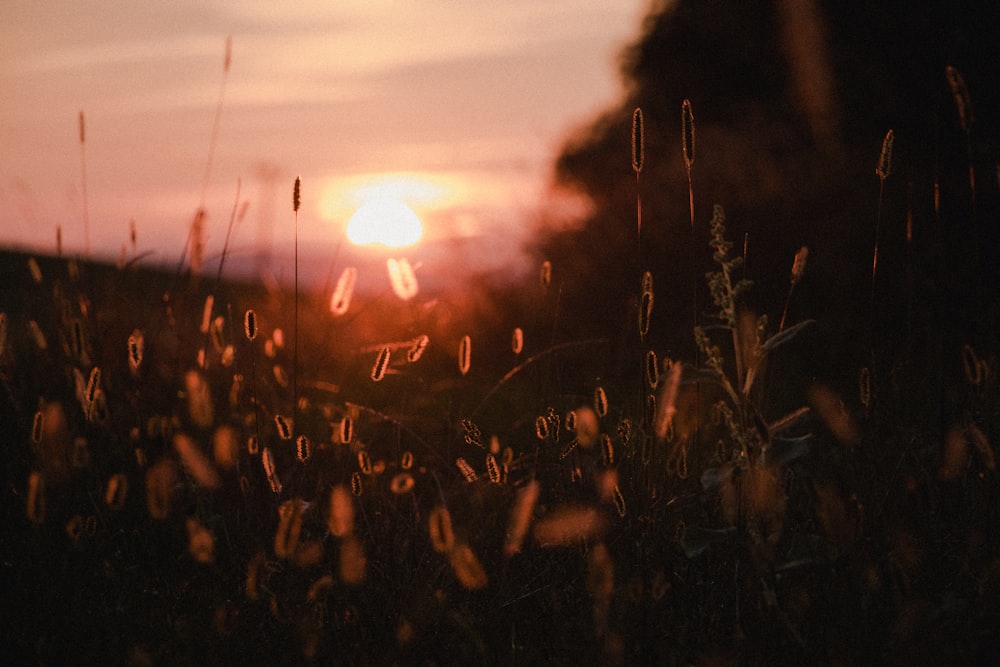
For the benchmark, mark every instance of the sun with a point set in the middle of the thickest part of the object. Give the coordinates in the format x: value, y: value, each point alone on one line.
x: 386, y: 221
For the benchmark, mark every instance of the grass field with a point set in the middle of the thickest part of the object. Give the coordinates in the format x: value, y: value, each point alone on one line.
x: 211, y: 471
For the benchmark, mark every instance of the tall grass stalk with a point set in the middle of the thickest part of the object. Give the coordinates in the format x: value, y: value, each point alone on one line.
x: 213, y: 138
x: 687, y: 145
x: 882, y: 169
x: 638, y: 157
x: 83, y: 180
x: 194, y: 238
x: 966, y: 118
x: 687, y: 149
x: 296, y: 200
x: 798, y: 270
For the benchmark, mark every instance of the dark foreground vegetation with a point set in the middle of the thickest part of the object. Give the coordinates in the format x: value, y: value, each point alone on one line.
x: 636, y: 457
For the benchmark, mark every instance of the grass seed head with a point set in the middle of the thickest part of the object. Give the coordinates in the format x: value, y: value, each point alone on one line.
x: 638, y: 140
x: 687, y: 133
x: 884, y: 166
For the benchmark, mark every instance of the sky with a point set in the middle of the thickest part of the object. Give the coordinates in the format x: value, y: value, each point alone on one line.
x: 456, y: 108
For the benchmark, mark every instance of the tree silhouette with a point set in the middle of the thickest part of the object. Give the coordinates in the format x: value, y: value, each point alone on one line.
x: 791, y: 101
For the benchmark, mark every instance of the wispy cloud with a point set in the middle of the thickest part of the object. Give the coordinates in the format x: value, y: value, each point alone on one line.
x: 473, y: 93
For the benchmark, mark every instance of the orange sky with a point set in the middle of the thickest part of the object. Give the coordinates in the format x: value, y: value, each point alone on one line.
x: 467, y: 101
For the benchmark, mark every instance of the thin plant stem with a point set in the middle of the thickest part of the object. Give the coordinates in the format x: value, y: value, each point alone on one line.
x: 296, y: 191
x: 83, y: 179
x: 215, y: 124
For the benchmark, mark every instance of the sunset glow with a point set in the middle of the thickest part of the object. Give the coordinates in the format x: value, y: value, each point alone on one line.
x: 441, y: 108
x: 385, y: 221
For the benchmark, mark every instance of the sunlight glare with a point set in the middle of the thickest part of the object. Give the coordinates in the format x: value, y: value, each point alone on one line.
x: 386, y: 221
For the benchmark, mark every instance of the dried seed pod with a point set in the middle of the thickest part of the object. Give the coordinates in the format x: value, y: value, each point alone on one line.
x: 687, y: 133
x: 402, y: 483
x: 136, y: 349
x: 666, y: 406
x: 37, y: 427
x: 267, y: 459
x: 507, y: 456
x: 340, y: 520
x: 970, y: 363
x: 600, y: 402
x: 570, y: 421
x: 466, y: 470
x: 406, y: 460
x: 250, y: 324
x: 199, y: 395
x: 520, y: 517
x: 280, y: 376
x: 74, y: 529
x: 286, y: 537
x: 865, y: 388
x: 206, y: 314
x: 342, y: 293
x: 607, y: 450
x: 884, y: 166
x: 569, y: 525
x: 493, y: 469
x: 568, y: 449
x: 646, y: 303
x: 303, y: 448
x: 417, y: 349
x: 255, y: 569
x: 587, y: 426
x: 225, y: 447
x: 93, y: 385
x: 545, y: 274
x: 364, y: 462
x: 402, y: 278
x: 652, y: 369
x: 473, y: 436
x: 353, y: 561
x: 36, y: 498
x: 960, y: 93
x: 195, y: 462
x: 284, y: 427
x: 201, y: 543
x: 80, y: 454
x: 319, y: 588
x: 517, y: 340
x: 381, y: 364
x: 638, y: 141
x: 116, y: 491
x: 77, y: 339
x: 217, y: 332
x: 467, y: 568
x: 465, y: 354
x: 619, y: 501
x: 625, y: 431
x: 983, y: 447
x: 799, y: 264
x: 35, y: 270
x: 161, y: 480
x: 440, y: 531
x: 346, y: 430
x: 541, y: 428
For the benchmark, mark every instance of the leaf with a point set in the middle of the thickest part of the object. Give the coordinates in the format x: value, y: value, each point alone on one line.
x: 712, y: 478
x: 696, y: 540
x: 784, y: 336
x: 783, y: 451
